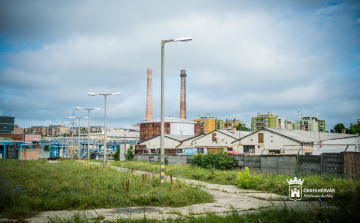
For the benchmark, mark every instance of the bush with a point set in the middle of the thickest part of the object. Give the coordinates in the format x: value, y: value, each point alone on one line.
x: 129, y: 155
x: 218, y: 160
x: 245, y: 180
x: 116, y: 154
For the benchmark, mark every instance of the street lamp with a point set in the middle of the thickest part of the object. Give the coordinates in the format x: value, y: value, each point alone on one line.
x: 105, y: 135
x: 79, y: 131
x: 162, y: 162
x: 88, y: 135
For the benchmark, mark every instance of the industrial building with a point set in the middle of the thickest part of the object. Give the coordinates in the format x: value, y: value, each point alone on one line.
x: 274, y: 141
x: 173, y: 126
x: 266, y: 120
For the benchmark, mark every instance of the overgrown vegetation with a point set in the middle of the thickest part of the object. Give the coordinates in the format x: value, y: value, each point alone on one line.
x: 27, y: 187
x: 245, y: 180
x: 347, y: 190
x: 129, y: 155
x: 283, y: 215
x: 220, y: 160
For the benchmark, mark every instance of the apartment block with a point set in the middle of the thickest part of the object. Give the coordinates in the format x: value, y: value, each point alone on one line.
x: 289, y: 125
x: 209, y: 123
x: 232, y: 123
x: 267, y: 120
x: 310, y: 124
x: 51, y: 130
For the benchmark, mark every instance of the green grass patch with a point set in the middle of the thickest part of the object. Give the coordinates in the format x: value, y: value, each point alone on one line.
x: 27, y: 187
x: 225, y: 177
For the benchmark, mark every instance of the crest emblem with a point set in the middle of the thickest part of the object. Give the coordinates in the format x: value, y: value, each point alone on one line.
x: 295, y: 189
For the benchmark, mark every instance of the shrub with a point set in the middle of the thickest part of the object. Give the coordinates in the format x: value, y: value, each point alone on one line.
x: 129, y: 155
x: 218, y: 160
x: 245, y: 180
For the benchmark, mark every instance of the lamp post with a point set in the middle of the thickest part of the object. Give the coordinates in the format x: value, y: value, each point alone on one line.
x: 88, y: 132
x: 72, y: 131
x: 105, y: 134
x: 79, y: 131
x: 162, y: 162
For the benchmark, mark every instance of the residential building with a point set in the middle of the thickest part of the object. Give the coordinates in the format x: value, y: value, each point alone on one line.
x: 266, y: 120
x: 209, y: 123
x: 310, y: 124
x: 51, y: 130
x: 289, y: 125
x: 229, y: 124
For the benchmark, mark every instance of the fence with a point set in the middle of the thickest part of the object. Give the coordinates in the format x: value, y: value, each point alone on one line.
x: 347, y: 163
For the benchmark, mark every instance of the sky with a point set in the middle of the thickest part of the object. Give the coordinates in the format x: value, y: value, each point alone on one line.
x: 245, y: 58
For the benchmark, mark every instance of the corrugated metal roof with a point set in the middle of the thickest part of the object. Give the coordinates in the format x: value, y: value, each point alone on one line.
x: 305, y: 136
x: 171, y: 119
x: 309, y: 136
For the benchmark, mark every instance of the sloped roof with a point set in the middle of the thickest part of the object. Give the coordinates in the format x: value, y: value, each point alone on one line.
x: 237, y: 135
x: 171, y: 119
x: 179, y: 138
x: 305, y: 136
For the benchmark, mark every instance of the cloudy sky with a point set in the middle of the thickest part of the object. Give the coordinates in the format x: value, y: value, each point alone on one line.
x: 245, y: 57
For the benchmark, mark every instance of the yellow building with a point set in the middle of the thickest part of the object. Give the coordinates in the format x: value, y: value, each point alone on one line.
x: 209, y: 123
x: 231, y: 123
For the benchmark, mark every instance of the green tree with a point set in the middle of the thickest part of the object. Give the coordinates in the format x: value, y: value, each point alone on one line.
x: 354, y: 128
x: 83, y: 129
x: 241, y: 127
x: 338, y: 128
x: 129, y: 155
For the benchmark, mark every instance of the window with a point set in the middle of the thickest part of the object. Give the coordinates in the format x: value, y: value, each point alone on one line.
x: 249, y: 149
x: 274, y: 151
x: 308, y: 154
x: 260, y: 137
x: 214, y: 137
x: 200, y: 150
x: 229, y: 149
x: 178, y: 150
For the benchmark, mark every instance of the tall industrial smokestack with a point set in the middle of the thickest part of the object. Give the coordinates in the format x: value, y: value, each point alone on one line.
x: 183, y: 95
x: 149, y: 105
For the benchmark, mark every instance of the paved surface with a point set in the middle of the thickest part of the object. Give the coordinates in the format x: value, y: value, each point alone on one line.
x: 226, y: 197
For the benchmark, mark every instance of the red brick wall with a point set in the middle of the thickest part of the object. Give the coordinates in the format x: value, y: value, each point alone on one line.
x: 29, y: 154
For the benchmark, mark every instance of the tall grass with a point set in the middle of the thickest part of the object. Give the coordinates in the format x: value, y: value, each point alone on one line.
x: 226, y: 177
x: 27, y: 187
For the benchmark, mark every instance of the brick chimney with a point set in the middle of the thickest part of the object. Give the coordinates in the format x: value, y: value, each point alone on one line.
x: 149, y: 104
x: 234, y: 130
x: 343, y: 131
x: 183, y: 94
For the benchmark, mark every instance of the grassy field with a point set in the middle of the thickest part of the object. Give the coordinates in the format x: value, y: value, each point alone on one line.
x: 27, y: 187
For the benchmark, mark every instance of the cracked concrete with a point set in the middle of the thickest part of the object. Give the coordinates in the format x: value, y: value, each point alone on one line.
x: 226, y: 197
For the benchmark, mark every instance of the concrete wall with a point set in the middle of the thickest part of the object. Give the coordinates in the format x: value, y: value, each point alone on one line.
x: 328, y: 163
x: 44, y: 155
